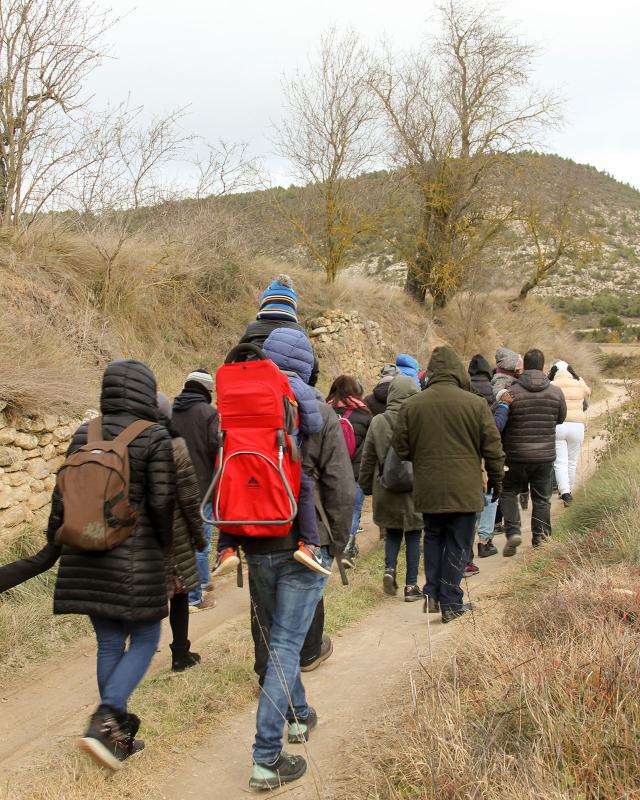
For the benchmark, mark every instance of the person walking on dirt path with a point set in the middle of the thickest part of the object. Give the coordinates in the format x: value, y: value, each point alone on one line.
x: 391, y: 510
x: 122, y: 590
x: 377, y: 400
x: 285, y: 594
x: 530, y: 446
x: 570, y: 434
x: 345, y: 398
x: 446, y: 431
x: 480, y: 374
x: 188, y: 536
x: 195, y: 419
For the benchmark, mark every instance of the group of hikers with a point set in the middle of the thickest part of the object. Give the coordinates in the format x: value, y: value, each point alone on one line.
x: 441, y: 450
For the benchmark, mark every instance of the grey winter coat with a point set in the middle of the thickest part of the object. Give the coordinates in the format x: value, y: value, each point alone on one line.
x: 390, y: 510
x: 188, y: 533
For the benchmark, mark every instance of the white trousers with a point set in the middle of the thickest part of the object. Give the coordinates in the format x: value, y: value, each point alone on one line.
x: 569, y: 438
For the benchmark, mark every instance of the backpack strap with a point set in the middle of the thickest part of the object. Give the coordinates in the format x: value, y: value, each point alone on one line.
x: 132, y: 431
x: 94, y: 430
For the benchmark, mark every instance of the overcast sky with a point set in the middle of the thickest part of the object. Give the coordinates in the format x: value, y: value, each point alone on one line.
x: 225, y: 59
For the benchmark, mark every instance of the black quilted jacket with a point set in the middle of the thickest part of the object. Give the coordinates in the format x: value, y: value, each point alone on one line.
x: 537, y: 407
x: 129, y: 582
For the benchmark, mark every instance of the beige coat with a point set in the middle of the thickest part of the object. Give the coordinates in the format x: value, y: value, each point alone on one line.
x: 575, y: 393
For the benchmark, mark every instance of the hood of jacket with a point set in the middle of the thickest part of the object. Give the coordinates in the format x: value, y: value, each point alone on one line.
x: 534, y: 380
x: 445, y: 367
x: 192, y: 393
x: 129, y: 386
x: 480, y: 366
x: 507, y: 359
x: 408, y: 365
x: 401, y: 388
x: 381, y: 391
x: 290, y: 350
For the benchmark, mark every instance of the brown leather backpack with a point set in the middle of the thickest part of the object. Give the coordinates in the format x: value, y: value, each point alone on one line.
x: 94, y: 485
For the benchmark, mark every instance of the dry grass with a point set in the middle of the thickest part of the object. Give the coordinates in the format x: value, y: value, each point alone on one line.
x: 541, y: 698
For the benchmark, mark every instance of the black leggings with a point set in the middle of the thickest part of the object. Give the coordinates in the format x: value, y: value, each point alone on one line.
x: 179, y: 621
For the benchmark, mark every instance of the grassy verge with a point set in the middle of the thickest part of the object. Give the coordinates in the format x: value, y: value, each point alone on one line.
x: 540, y: 700
x: 180, y: 710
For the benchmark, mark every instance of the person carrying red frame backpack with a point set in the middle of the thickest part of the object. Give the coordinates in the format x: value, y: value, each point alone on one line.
x: 242, y: 475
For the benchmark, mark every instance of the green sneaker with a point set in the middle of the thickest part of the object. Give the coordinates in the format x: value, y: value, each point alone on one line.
x: 284, y: 769
x: 299, y: 729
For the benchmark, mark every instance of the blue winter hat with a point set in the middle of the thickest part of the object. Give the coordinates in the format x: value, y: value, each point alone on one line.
x: 279, y: 301
x: 409, y: 366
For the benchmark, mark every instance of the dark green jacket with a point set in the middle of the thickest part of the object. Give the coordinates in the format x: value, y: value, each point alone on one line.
x: 390, y: 510
x: 446, y: 431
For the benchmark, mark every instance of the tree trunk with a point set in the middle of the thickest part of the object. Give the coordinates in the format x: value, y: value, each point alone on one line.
x: 414, y: 287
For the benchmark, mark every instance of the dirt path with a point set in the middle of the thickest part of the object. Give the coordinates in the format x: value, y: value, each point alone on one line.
x: 371, y: 659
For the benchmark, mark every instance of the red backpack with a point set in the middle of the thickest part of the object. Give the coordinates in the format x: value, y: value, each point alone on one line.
x: 348, y: 433
x: 257, y: 480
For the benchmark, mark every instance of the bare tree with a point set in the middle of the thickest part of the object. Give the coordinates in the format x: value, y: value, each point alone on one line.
x: 328, y: 138
x: 453, y: 111
x: 553, y: 220
x: 47, y: 48
x: 227, y: 169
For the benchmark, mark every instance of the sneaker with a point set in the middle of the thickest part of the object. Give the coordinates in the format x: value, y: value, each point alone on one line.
x: 284, y: 769
x: 470, y: 570
x: 226, y: 561
x: 311, y: 556
x: 207, y: 602
x: 193, y: 609
x: 451, y: 614
x: 512, y: 544
x: 412, y: 593
x: 103, y: 740
x: 326, y: 649
x: 185, y: 659
x: 208, y: 587
x: 299, y: 730
x: 431, y: 606
x: 486, y: 549
x: 350, y: 553
x: 567, y: 498
x: 130, y: 746
x: 389, y: 584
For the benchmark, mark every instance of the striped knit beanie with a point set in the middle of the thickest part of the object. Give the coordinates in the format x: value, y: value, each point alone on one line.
x: 279, y: 301
x: 202, y: 377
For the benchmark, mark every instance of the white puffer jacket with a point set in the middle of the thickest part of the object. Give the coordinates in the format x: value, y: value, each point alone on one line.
x: 575, y: 392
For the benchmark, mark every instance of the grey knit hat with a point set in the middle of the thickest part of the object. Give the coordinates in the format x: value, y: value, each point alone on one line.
x: 202, y: 377
x: 507, y: 359
x: 388, y: 373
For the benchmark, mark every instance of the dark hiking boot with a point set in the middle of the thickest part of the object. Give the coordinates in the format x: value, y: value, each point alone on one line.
x: 299, y: 730
x: 512, y: 544
x: 451, y: 614
x: 524, y: 501
x: 412, y: 593
x: 470, y: 570
x: 284, y: 769
x: 567, y: 499
x: 326, y: 649
x: 486, y: 549
x: 389, y: 584
x: 538, y: 538
x: 183, y: 658
x: 498, y: 528
x: 103, y: 739
x: 350, y: 553
x: 130, y: 746
x: 430, y: 605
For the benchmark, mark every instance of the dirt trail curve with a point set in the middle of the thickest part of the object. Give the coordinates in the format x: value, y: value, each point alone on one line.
x: 371, y: 659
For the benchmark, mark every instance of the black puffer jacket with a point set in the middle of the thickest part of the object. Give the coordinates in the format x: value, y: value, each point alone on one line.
x: 129, y: 582
x: 196, y: 421
x: 480, y: 374
x: 537, y: 407
x: 377, y: 400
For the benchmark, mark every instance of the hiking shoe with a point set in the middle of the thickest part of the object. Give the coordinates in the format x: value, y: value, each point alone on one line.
x: 538, y: 538
x: 389, y: 584
x: 451, y: 614
x: 486, y: 549
x: 226, y: 561
x: 524, y: 501
x: 208, y: 587
x: 130, y: 746
x: 498, y: 528
x: 567, y: 498
x: 193, y: 609
x: 512, y: 544
x: 311, y: 556
x: 326, y: 649
x: 412, y: 593
x: 298, y: 730
x: 470, y: 570
x: 183, y: 659
x: 103, y: 738
x: 209, y: 601
x: 284, y: 769
x: 350, y: 553
x: 430, y: 605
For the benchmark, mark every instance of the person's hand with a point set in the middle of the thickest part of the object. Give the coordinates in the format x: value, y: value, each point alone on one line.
x: 494, y: 488
x: 506, y: 397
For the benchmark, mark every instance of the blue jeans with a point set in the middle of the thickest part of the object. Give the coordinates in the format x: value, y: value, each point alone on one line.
x: 202, y: 560
x: 393, y: 542
x: 120, y: 670
x: 448, y: 539
x: 487, y: 520
x: 357, y: 511
x: 285, y: 595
